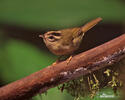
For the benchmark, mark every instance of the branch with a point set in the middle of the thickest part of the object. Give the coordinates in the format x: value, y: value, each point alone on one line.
x: 51, y: 76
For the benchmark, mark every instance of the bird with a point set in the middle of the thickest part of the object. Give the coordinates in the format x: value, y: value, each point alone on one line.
x: 67, y: 41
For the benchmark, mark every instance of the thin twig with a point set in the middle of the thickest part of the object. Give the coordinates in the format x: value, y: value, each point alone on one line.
x: 51, y: 76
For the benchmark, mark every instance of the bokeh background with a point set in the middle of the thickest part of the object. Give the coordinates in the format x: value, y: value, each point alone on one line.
x: 22, y: 52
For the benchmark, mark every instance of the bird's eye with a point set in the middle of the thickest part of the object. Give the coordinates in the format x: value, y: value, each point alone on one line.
x: 51, y: 38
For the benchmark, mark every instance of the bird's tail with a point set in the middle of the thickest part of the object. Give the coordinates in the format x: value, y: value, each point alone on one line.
x: 90, y: 24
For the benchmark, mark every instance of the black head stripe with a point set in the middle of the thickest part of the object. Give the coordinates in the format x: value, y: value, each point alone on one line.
x: 56, y: 34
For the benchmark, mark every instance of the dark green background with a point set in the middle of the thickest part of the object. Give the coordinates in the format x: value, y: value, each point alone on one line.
x: 22, y: 52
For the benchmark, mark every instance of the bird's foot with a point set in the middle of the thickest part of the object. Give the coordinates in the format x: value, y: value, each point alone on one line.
x: 68, y: 60
x: 56, y: 62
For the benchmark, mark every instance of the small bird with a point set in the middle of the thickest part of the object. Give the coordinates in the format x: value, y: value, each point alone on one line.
x: 66, y: 41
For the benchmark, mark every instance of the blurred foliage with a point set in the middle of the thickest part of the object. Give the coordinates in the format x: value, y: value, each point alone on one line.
x: 54, y: 94
x: 105, y: 94
x: 59, y: 13
x: 19, y: 59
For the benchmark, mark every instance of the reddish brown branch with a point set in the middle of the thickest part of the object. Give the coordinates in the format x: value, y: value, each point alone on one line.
x: 81, y: 64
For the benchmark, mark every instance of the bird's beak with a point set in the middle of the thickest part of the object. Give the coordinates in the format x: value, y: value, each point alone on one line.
x: 42, y: 36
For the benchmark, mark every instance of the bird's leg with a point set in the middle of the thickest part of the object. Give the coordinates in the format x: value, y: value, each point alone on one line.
x: 69, y: 59
x: 62, y: 58
x: 58, y: 60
